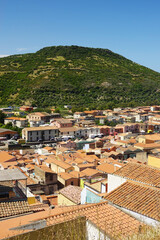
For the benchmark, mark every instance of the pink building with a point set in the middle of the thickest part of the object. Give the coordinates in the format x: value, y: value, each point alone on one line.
x: 62, y: 123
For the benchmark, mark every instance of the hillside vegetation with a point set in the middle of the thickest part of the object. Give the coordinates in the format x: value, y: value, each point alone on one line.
x: 80, y: 76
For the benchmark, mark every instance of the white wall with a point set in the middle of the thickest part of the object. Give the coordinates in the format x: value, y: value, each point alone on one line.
x: 142, y: 218
x: 114, y: 182
x: 93, y: 233
x: 86, y: 146
x: 83, y: 196
x: 103, y: 188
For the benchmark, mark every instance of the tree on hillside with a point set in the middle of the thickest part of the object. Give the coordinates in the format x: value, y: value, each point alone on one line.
x: 2, y: 117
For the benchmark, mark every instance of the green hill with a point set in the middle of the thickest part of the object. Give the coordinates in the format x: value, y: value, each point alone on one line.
x: 80, y: 76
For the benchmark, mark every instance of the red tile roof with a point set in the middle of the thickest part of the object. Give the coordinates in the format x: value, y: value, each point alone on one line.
x: 13, y: 208
x: 139, y: 198
x: 107, y: 218
x: 73, y: 193
x: 140, y: 173
x: 90, y: 172
x: 61, y: 164
x: 5, y: 156
x: 45, y: 168
x: 112, y: 221
x: 107, y: 168
x: 16, y: 118
x: 66, y: 175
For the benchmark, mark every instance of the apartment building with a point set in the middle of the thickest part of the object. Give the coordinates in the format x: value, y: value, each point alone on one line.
x: 34, y: 134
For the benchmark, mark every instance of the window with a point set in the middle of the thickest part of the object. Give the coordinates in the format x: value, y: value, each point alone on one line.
x: 72, y: 183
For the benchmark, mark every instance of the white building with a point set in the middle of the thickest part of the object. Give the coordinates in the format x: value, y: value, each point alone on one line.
x: 138, y: 200
x: 16, y: 121
x: 135, y: 189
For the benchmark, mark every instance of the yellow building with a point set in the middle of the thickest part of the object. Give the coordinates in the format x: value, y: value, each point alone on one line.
x: 154, y: 161
x: 30, y: 197
x: 60, y: 166
x: 82, y: 183
x: 70, y: 195
x: 64, y: 201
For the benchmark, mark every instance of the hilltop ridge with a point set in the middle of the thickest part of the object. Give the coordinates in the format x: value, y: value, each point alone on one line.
x: 94, y: 77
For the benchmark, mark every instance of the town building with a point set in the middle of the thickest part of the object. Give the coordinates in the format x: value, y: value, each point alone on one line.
x: 145, y: 204
x: 35, y: 134
x: 16, y: 121
x: 47, y: 180
x: 7, y: 133
x: 42, y: 117
x: 69, y: 196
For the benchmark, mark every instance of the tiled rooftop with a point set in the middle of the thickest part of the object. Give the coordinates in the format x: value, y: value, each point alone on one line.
x: 90, y: 172
x: 102, y: 215
x: 73, y: 193
x: 5, y: 156
x: 139, y: 198
x: 45, y: 168
x: 86, y: 165
x: 13, y: 208
x: 107, y: 168
x: 109, y: 219
x: 60, y: 163
x: 77, y: 174
x: 140, y: 173
x: 66, y: 175
x: 16, y: 118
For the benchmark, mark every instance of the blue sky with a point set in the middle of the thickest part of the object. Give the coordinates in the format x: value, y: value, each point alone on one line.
x: 128, y: 27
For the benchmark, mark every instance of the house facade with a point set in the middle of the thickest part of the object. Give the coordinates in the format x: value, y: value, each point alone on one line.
x: 16, y: 121
x: 61, y: 123
x: 35, y: 134
x: 39, y: 116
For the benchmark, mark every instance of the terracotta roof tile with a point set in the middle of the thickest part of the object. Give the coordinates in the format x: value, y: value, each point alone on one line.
x: 90, y: 172
x: 86, y: 165
x: 107, y: 168
x: 66, y: 175
x: 139, y: 198
x: 48, y: 148
x: 5, y: 156
x: 77, y: 174
x: 109, y: 219
x: 45, y: 168
x: 73, y: 193
x: 13, y: 208
x: 40, y: 128
x: 62, y: 164
x: 140, y: 173
x: 16, y: 118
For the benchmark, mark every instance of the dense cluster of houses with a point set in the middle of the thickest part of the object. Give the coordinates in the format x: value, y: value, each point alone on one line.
x: 83, y: 124
x: 108, y: 175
